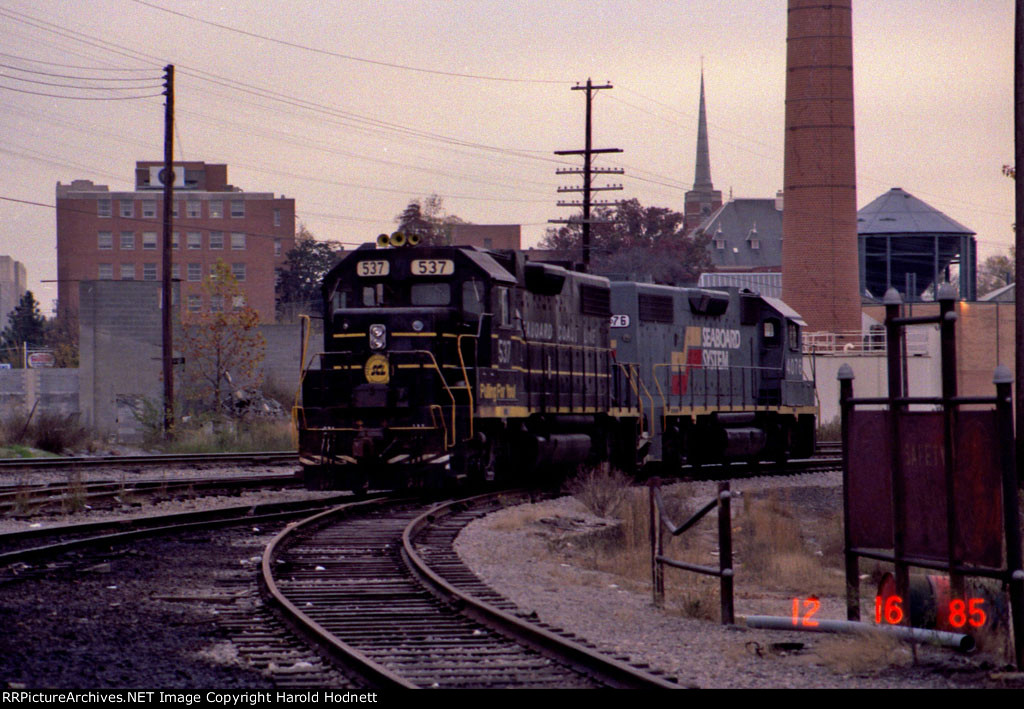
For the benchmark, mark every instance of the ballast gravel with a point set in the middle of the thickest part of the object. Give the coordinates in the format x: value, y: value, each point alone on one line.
x: 516, y: 551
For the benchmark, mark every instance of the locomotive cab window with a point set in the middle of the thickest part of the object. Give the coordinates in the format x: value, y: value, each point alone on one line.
x: 378, y: 295
x: 473, y: 295
x: 771, y: 332
x: 794, y: 336
x: 430, y: 294
x: 504, y: 307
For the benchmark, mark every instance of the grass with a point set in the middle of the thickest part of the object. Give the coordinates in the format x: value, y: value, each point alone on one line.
x: 74, y: 494
x: 241, y: 437
x: 863, y: 653
x: 20, y: 451
x: 53, y: 433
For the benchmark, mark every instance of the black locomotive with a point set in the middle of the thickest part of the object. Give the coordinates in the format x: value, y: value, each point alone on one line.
x: 445, y: 364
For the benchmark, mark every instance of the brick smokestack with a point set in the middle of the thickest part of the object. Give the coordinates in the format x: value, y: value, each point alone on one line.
x: 820, y: 276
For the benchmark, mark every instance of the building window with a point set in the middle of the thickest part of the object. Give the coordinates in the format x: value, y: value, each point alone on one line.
x: 720, y: 244
x: 277, y: 217
x: 174, y: 208
x: 195, y: 302
x: 277, y: 247
x: 127, y: 271
x: 216, y: 303
x: 105, y: 240
x: 175, y: 240
x: 237, y: 302
x: 213, y: 271
x: 176, y: 271
x: 106, y: 272
x: 195, y: 240
x: 195, y: 272
x: 238, y: 271
x: 149, y: 209
x: 149, y: 241
x: 149, y: 271
x: 127, y: 208
x: 103, y: 208
x: 193, y: 209
x: 217, y: 240
x: 755, y: 244
x: 237, y: 241
x: 237, y: 208
x: 216, y: 209
x: 127, y: 241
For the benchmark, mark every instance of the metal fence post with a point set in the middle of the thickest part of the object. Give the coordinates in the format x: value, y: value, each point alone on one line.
x: 845, y: 377
x: 657, y: 573
x: 725, y: 551
x: 1003, y: 380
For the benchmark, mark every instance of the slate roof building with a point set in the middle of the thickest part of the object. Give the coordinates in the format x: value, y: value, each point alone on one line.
x: 909, y: 245
x: 746, y: 235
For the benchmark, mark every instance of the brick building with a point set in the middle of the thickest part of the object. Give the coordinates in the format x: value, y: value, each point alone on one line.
x: 110, y: 235
x: 487, y: 236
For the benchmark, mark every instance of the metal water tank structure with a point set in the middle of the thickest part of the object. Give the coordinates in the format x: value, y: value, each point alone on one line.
x: 909, y: 245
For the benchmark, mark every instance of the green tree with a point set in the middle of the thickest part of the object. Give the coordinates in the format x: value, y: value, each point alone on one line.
x: 298, y: 285
x: 25, y: 325
x: 636, y: 241
x: 428, y: 220
x: 222, y: 345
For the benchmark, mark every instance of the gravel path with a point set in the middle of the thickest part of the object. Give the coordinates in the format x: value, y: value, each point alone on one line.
x: 536, y: 569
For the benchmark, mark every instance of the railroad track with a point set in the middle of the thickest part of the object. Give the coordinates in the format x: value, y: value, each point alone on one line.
x: 378, y: 586
x: 29, y: 546
x: 161, y: 459
x: 33, y: 499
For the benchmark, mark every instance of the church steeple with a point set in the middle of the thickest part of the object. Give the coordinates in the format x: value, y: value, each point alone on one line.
x: 702, y: 173
x: 703, y: 199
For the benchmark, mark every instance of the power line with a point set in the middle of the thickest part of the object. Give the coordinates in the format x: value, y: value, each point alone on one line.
x: 79, y: 78
x: 71, y: 66
x: 78, y: 98
x: 351, y: 57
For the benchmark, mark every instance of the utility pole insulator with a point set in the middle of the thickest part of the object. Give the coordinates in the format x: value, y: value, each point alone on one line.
x: 588, y: 171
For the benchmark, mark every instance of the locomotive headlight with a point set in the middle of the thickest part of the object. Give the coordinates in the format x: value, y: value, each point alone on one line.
x: 378, y: 337
x: 417, y: 325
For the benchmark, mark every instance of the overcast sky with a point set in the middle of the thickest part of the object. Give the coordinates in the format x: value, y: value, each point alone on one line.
x: 355, y: 107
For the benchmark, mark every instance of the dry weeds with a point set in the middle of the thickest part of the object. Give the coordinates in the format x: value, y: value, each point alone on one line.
x: 863, y: 652
x: 601, y: 489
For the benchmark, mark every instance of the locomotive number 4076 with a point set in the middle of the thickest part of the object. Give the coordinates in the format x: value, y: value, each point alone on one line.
x: 433, y: 267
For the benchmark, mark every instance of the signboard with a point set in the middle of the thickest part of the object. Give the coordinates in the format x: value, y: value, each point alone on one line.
x: 37, y: 360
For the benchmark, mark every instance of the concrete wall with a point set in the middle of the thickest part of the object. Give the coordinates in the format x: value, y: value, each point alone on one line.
x: 120, y: 349
x: 55, y: 390
x: 120, y: 355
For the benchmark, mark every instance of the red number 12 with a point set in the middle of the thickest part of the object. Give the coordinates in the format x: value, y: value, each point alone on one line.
x: 811, y: 605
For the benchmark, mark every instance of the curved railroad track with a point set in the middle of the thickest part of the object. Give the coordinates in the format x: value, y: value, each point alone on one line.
x: 378, y: 586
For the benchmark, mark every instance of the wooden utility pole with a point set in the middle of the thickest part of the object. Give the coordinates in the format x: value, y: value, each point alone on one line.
x: 588, y: 172
x: 167, y: 177
x: 1018, y: 162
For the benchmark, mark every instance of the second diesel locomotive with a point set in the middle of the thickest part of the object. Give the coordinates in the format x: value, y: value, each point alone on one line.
x: 443, y: 364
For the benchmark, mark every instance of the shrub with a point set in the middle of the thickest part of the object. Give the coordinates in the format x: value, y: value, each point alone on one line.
x: 601, y: 490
